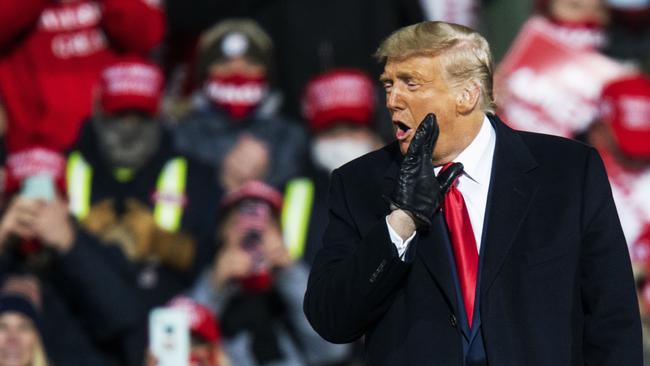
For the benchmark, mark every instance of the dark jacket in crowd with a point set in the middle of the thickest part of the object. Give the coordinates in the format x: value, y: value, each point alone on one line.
x: 209, y: 135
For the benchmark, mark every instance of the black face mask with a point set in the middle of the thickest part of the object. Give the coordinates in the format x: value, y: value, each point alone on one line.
x: 127, y: 141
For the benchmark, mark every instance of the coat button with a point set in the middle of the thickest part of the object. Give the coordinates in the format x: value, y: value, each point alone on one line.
x: 452, y: 320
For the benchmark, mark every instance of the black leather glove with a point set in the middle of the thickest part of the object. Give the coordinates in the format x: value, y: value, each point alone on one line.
x: 419, y: 192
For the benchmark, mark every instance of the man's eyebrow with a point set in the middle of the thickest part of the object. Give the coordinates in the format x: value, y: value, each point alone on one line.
x: 383, y: 78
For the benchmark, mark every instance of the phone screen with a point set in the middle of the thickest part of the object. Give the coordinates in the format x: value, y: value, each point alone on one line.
x: 40, y: 186
x: 253, y: 218
x: 169, y: 336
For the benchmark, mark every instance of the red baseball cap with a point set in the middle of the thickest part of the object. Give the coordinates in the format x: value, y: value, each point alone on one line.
x: 338, y: 95
x: 132, y: 83
x: 203, y: 324
x: 626, y: 107
x: 254, y: 190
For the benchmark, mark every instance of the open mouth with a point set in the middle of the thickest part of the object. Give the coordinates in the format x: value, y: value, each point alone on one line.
x: 402, y: 130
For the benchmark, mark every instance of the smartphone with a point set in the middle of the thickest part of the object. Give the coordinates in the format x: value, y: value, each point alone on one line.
x: 169, y: 336
x: 254, y: 216
x: 252, y: 220
x: 39, y: 186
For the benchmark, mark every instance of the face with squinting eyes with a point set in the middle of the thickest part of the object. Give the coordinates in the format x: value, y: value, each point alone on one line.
x: 415, y: 86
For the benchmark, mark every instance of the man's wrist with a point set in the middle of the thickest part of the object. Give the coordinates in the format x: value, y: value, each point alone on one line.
x: 402, y: 222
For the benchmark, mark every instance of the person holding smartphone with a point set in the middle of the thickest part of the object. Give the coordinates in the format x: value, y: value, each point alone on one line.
x: 256, y: 288
x: 197, y: 341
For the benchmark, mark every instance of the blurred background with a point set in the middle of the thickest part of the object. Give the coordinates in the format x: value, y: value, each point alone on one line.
x: 165, y: 164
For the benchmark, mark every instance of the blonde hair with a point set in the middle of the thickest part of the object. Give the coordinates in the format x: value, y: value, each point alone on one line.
x: 466, y: 55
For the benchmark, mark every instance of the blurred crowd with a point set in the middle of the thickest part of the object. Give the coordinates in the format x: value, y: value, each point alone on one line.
x: 176, y: 155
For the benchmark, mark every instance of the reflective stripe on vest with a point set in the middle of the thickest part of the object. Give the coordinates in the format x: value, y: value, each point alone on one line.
x: 170, y: 190
x: 79, y: 172
x: 298, y: 199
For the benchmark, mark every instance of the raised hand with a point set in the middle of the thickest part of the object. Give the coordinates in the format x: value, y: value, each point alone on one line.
x: 418, y: 191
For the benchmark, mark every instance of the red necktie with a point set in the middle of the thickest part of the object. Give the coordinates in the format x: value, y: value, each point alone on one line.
x: 463, y: 244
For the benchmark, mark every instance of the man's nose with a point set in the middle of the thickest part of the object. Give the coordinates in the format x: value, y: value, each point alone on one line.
x: 394, y: 101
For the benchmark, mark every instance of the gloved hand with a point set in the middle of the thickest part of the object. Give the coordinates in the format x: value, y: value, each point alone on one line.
x: 419, y: 192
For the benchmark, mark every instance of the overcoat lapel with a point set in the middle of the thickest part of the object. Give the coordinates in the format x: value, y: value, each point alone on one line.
x: 512, y: 188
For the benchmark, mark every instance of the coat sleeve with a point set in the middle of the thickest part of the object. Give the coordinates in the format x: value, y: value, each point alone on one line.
x: 94, y: 283
x: 612, y: 330
x: 354, y: 277
x: 133, y: 25
x: 17, y: 16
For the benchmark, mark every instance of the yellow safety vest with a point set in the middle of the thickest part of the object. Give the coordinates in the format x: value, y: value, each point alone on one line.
x: 296, y: 212
x: 171, y: 183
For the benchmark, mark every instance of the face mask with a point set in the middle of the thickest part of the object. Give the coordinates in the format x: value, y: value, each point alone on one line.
x: 331, y: 153
x: 238, y: 95
x: 127, y: 142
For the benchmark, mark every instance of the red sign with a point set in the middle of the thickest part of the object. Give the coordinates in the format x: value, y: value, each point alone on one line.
x: 545, y: 85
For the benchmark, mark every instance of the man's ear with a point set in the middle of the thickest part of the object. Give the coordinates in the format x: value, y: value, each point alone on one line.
x: 468, y: 98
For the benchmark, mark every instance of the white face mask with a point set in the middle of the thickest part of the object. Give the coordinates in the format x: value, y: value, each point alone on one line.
x: 331, y: 153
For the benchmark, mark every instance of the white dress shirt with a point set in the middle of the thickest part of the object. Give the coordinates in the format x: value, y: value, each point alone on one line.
x: 473, y: 184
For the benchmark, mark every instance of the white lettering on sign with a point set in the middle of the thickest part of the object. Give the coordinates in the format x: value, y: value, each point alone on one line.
x: 78, y: 44
x: 636, y: 112
x: 575, y: 37
x: 350, y: 91
x: 570, y: 108
x: 68, y: 18
x: 133, y: 79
